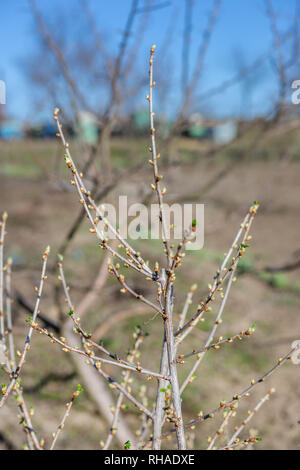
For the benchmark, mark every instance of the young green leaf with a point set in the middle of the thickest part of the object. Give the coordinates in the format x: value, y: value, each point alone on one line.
x: 127, y: 445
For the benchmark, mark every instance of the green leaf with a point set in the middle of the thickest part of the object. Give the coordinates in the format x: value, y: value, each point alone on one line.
x: 79, y: 388
x: 244, y: 245
x: 127, y: 445
x: 163, y: 390
x: 258, y: 438
x: 29, y: 320
x: 253, y: 326
x: 71, y: 312
x: 194, y: 223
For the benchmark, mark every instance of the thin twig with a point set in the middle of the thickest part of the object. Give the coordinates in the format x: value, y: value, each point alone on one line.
x: 67, y: 412
x: 116, y: 412
x: 2, y: 327
x: 16, y: 373
x: 227, y: 415
x: 245, y: 393
x: 215, y: 345
x: 249, y: 417
x: 12, y: 358
x: 135, y: 261
x: 156, y: 186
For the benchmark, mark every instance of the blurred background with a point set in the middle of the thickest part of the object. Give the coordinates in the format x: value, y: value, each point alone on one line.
x: 228, y: 133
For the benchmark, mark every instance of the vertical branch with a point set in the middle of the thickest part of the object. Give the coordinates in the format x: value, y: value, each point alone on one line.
x: 160, y: 399
x: 12, y: 358
x: 167, y: 291
x: 9, y: 354
x: 2, y: 328
x: 156, y: 186
x: 16, y: 373
x: 168, y: 324
x: 113, y: 428
x: 66, y: 414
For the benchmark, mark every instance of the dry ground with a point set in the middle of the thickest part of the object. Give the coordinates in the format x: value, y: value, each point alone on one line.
x: 40, y: 213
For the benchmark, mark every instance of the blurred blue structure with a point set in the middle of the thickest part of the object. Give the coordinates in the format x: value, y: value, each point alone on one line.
x: 48, y: 131
x: 225, y: 132
x: 44, y: 131
x: 11, y: 130
x: 141, y: 120
x: 87, y: 127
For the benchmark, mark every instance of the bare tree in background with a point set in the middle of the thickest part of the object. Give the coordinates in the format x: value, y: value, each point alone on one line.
x: 116, y: 76
x: 162, y: 414
x: 112, y: 82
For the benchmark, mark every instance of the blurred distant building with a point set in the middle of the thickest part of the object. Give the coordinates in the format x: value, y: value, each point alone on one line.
x: 44, y: 131
x: 164, y: 127
x: 87, y: 127
x: 11, y: 130
x: 225, y: 132
x: 196, y: 128
x: 140, y: 121
x: 199, y: 127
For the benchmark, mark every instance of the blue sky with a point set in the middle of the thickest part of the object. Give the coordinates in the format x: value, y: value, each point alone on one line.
x: 242, y: 34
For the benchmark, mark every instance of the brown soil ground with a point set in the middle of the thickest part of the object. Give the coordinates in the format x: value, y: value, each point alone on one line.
x: 40, y: 213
